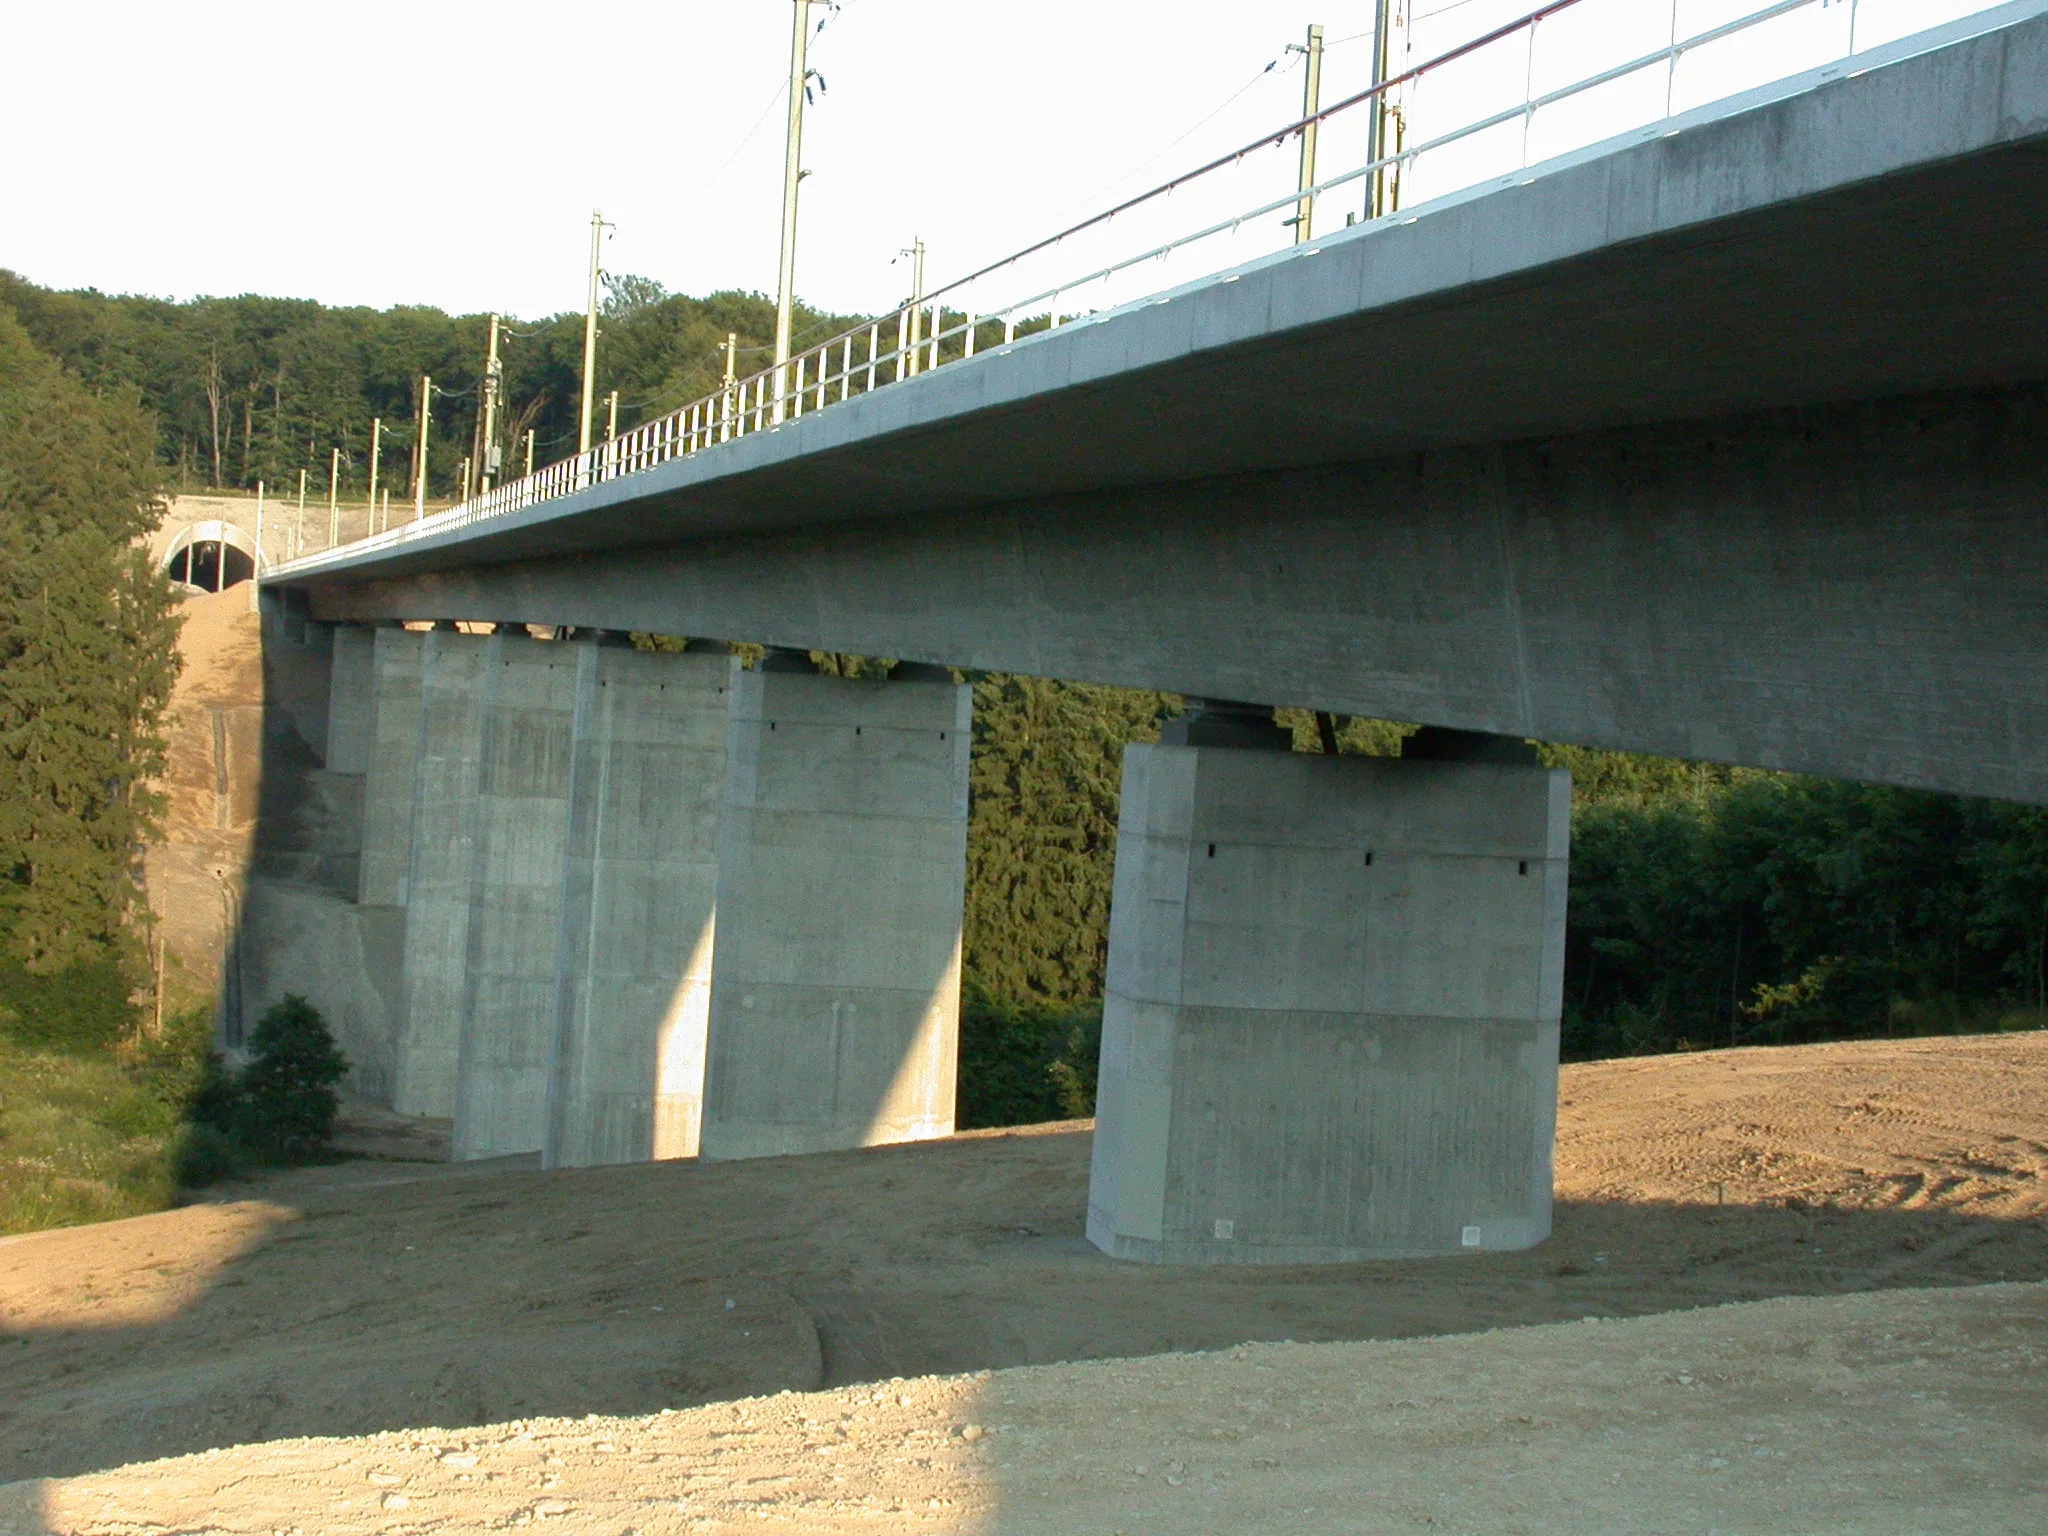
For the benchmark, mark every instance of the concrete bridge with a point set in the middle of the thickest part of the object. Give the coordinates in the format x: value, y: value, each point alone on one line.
x: 1726, y: 439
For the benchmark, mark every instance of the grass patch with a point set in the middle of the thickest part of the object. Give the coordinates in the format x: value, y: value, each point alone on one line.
x: 84, y: 1138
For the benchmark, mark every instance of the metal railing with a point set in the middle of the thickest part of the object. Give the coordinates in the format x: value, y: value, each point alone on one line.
x: 943, y: 327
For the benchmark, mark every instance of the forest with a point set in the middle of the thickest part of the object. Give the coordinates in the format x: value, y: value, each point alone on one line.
x: 1710, y: 906
x: 249, y: 388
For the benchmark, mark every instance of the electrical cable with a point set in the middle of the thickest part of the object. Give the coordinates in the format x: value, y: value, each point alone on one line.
x: 1153, y: 159
x: 781, y: 91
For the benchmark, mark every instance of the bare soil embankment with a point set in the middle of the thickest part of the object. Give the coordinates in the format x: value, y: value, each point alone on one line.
x: 374, y: 1297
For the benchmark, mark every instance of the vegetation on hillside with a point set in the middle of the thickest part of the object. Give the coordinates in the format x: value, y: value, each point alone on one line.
x: 252, y: 388
x: 92, y: 1135
x: 87, y: 658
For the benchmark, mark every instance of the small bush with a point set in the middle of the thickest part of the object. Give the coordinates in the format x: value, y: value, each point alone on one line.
x: 286, y: 1101
x: 206, y: 1154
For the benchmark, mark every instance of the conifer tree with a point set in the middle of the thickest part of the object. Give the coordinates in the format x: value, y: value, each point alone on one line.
x: 87, y: 657
x: 1041, y: 835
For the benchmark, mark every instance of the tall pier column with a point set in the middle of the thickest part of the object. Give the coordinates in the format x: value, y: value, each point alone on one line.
x: 394, y: 757
x: 351, y: 694
x: 633, y: 978
x: 440, y: 870
x: 835, y: 994
x: 1331, y: 1012
x: 515, y: 903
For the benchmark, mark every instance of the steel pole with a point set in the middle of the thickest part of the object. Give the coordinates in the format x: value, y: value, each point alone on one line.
x: 590, y: 334
x: 792, y: 173
x: 419, y: 484
x: 1376, y: 126
x: 492, y: 370
x: 1311, y: 103
x: 376, y: 435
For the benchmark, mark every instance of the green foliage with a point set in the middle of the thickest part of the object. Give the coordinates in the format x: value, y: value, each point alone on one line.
x: 1636, y: 778
x: 80, y: 1007
x: 1782, y: 909
x: 1024, y: 1063
x: 1041, y: 832
x: 87, y: 658
x: 252, y: 388
x: 282, y: 1107
x: 205, y: 1154
x: 92, y: 1137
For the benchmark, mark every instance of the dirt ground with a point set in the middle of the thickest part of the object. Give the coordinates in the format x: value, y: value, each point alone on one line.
x: 379, y: 1296
x: 1920, y: 1413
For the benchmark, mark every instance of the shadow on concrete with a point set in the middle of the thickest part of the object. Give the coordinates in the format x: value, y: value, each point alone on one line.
x: 381, y: 1298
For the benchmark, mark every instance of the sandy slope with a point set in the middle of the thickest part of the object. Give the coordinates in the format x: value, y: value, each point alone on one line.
x: 379, y: 1296
x: 1911, y: 1412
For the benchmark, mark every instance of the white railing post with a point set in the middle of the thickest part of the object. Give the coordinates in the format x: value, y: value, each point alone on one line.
x: 1671, y: 69
x: 874, y: 346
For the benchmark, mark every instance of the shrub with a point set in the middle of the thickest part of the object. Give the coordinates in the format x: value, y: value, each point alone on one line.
x: 286, y: 1094
x: 206, y: 1154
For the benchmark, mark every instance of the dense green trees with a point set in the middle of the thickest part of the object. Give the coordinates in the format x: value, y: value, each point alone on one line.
x: 1772, y: 908
x: 1041, y: 840
x: 87, y: 658
x: 252, y: 388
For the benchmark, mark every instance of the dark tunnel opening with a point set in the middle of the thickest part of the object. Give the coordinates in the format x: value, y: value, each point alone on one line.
x: 210, y: 565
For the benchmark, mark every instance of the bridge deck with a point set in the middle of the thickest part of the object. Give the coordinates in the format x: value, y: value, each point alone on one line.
x: 1840, y: 235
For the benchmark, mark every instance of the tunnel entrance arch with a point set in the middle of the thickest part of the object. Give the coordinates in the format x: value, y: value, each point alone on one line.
x: 210, y: 556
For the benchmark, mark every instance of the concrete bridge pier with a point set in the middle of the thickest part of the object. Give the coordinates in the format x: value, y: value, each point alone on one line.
x: 351, y: 698
x: 835, y: 997
x: 1331, y: 1011
x: 505, y: 1054
x: 633, y: 972
x: 439, y: 870
x: 394, y: 755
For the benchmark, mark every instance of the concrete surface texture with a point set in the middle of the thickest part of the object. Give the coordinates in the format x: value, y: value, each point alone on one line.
x: 1330, y: 1015
x: 351, y: 699
x: 439, y: 882
x: 507, y: 1039
x: 1832, y: 567
x: 393, y: 765
x: 633, y: 981
x: 842, y: 860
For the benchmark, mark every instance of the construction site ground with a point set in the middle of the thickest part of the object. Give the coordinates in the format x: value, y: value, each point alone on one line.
x: 1789, y: 1291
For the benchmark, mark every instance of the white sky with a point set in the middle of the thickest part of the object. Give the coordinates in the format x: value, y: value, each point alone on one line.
x: 449, y: 152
